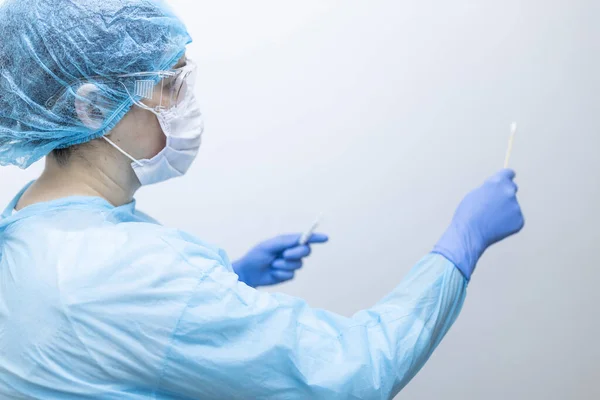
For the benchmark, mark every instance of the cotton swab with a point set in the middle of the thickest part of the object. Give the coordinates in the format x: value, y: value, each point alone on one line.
x: 306, y: 235
x: 513, y: 130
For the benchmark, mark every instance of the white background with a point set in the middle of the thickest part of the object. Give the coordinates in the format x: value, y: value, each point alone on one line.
x: 382, y: 115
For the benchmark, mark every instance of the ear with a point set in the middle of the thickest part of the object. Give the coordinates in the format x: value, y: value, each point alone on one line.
x: 88, y: 107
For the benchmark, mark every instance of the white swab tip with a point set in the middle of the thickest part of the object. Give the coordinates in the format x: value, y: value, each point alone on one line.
x: 306, y: 236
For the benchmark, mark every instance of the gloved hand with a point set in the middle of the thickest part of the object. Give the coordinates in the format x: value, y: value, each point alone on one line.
x: 275, y: 260
x: 487, y: 215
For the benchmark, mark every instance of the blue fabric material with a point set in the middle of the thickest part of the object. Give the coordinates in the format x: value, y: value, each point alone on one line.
x: 101, y: 302
x: 50, y: 48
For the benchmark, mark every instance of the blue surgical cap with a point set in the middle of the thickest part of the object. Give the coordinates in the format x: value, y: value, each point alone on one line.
x: 50, y: 48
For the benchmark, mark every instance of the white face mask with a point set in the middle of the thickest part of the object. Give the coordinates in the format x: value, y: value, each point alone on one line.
x: 183, y: 126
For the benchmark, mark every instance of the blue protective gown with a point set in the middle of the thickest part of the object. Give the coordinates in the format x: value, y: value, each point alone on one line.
x: 102, y: 302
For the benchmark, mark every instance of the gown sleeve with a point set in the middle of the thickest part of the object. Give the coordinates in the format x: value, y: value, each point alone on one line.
x: 234, y: 342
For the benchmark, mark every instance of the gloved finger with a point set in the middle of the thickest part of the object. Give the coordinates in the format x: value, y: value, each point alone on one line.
x: 521, y: 223
x: 502, y: 175
x: 318, y: 238
x: 281, y: 275
x: 281, y: 243
x: 511, y: 187
x: 297, y: 253
x: 286, y: 265
x: 506, y: 173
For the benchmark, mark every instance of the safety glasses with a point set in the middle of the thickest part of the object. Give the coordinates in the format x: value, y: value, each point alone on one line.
x: 169, y: 92
x: 155, y: 91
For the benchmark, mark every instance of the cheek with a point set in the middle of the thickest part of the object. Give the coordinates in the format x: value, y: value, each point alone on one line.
x: 149, y: 137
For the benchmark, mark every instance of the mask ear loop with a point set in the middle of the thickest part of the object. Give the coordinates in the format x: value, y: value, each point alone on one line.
x: 139, y: 164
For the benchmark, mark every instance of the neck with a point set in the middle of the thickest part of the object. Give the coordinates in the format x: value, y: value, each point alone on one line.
x: 83, y: 176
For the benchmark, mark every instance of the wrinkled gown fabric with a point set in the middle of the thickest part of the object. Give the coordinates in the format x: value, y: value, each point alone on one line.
x: 103, y: 302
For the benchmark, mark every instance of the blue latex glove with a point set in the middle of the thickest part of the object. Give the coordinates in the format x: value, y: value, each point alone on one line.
x: 487, y: 215
x: 275, y: 260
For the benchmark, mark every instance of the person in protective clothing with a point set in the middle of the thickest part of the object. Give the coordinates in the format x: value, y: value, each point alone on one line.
x: 100, y: 301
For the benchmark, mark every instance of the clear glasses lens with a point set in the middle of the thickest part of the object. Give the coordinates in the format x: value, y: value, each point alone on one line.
x: 169, y: 91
